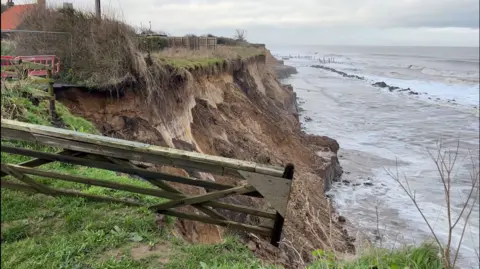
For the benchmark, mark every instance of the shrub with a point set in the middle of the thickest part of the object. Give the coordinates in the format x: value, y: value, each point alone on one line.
x: 100, y: 51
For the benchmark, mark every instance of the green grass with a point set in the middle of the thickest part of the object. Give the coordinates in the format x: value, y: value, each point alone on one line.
x: 189, y: 59
x: 425, y: 256
x: 231, y: 254
x: 193, y: 63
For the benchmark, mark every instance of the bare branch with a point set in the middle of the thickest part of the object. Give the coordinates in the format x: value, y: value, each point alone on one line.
x: 413, y: 199
x: 463, y: 230
x: 240, y: 35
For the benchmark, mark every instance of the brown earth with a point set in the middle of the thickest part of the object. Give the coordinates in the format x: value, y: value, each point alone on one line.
x: 242, y: 113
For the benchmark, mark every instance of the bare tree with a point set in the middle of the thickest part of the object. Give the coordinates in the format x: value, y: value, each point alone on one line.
x: 445, y: 161
x: 240, y: 35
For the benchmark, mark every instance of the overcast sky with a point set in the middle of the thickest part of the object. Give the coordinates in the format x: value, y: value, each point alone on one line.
x: 309, y: 22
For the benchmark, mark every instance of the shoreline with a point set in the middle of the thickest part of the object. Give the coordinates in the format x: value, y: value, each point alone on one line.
x: 334, y: 170
x: 359, y: 102
x: 281, y: 70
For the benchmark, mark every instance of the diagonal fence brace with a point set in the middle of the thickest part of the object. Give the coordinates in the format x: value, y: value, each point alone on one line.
x: 202, y: 198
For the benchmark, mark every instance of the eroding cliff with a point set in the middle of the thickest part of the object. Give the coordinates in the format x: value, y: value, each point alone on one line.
x: 241, y: 111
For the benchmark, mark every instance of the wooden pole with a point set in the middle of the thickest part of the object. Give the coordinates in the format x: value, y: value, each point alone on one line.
x: 51, y: 93
x: 97, y: 9
x: 276, y: 235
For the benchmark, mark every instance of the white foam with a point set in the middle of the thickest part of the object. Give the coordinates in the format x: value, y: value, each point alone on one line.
x: 462, y: 94
x: 438, y: 78
x: 374, y: 128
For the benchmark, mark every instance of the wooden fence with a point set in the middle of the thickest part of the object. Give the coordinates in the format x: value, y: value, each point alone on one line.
x: 95, y: 151
x: 192, y: 42
x: 20, y: 70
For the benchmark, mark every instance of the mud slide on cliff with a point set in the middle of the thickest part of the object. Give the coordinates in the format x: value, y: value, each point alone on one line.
x: 238, y: 110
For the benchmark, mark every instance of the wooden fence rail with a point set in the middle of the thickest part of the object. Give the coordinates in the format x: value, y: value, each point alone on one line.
x: 268, y: 182
x: 192, y: 42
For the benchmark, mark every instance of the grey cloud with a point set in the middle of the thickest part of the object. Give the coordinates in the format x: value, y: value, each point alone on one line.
x: 202, y: 14
x: 426, y: 13
x: 325, y: 21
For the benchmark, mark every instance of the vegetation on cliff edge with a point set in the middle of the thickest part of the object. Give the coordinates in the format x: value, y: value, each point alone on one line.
x: 44, y: 232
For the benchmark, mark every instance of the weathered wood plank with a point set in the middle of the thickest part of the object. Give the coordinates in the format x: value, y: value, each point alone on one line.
x: 202, y: 198
x: 25, y: 188
x: 116, y: 168
x: 26, y: 179
x: 274, y: 189
x: 228, y: 224
x: 277, y: 230
x: 163, y: 185
x: 241, y: 209
x: 92, y: 181
x: 152, y: 192
x: 114, y: 152
x: 38, y: 162
x: 141, y: 148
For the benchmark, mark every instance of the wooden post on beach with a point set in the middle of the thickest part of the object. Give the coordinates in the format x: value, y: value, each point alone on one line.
x: 279, y: 219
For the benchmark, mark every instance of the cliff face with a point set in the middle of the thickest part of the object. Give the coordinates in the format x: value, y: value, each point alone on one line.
x: 239, y: 112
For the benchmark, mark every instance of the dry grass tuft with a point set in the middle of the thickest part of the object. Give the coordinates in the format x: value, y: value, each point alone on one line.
x: 103, y: 53
x: 316, y: 230
x: 100, y: 52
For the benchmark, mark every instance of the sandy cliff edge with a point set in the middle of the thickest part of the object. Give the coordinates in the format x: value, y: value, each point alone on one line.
x: 242, y: 112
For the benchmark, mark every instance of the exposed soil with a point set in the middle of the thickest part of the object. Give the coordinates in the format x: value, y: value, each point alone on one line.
x: 244, y: 113
x: 139, y: 251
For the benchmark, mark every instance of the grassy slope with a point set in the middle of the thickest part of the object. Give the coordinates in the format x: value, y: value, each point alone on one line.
x: 44, y: 232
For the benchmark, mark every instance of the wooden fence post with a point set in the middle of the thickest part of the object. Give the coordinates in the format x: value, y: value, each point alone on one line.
x: 51, y: 93
x: 279, y: 219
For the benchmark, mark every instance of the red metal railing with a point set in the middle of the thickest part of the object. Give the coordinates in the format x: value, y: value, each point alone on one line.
x: 50, y: 60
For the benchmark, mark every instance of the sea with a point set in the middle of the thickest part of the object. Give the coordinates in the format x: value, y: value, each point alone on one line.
x: 426, y: 100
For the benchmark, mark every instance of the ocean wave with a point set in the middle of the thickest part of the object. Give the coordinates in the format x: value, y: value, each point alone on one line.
x: 435, y: 92
x: 458, y: 61
x: 467, y: 75
x: 401, y: 55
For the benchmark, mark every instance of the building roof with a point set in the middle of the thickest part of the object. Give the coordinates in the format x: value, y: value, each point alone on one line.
x: 12, y: 17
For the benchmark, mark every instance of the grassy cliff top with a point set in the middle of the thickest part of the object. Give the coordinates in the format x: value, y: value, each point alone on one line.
x: 185, y: 58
